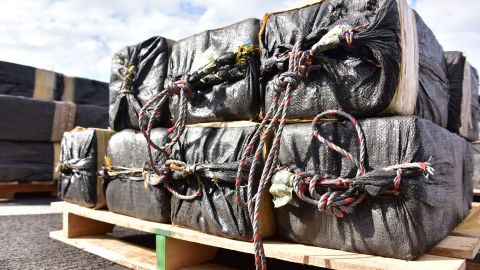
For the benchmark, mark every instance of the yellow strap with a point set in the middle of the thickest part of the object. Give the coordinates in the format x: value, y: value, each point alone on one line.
x: 45, y: 82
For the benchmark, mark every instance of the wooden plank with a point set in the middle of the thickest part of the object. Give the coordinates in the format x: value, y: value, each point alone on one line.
x: 475, y: 204
x: 9, y: 189
x: 168, y: 250
x: 470, y: 226
x: 476, y: 192
x: 74, y: 226
x: 297, y: 253
x: 473, y: 265
x: 110, y: 248
x: 457, y: 247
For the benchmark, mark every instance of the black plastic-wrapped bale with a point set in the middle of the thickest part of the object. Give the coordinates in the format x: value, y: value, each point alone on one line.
x: 27, y: 119
x: 476, y: 165
x: 403, y: 226
x: 215, y: 153
x: 41, y: 84
x: 28, y: 161
x: 138, y: 73
x: 464, y: 109
x: 91, y: 116
x: 392, y: 65
x: 126, y: 193
x: 81, y: 158
x: 230, y: 93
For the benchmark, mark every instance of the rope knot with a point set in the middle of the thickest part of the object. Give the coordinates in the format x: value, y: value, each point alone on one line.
x: 281, y: 81
x: 176, y: 87
x: 180, y: 169
x: 128, y: 77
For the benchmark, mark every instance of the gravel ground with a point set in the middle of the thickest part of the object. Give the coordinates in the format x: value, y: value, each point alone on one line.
x: 25, y: 244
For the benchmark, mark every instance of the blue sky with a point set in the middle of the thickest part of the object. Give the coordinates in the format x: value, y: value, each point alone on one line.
x: 79, y: 37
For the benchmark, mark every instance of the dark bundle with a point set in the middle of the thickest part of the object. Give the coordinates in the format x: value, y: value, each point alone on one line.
x: 211, y: 157
x: 476, y: 165
x: 124, y: 178
x: 138, y: 74
x: 28, y: 161
x: 19, y: 80
x: 26, y: 119
x: 363, y: 57
x: 464, y: 109
x: 81, y: 158
x: 405, y: 195
x: 221, y: 68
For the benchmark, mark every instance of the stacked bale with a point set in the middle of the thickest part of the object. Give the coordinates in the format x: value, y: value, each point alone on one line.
x: 82, y: 154
x: 379, y: 185
x: 354, y: 186
x: 138, y: 74
x: 37, y: 106
x: 464, y: 109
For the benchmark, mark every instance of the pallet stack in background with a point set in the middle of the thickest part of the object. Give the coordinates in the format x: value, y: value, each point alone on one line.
x: 225, y: 134
x: 37, y: 106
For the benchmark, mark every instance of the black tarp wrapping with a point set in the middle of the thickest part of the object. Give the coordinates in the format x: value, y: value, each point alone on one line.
x: 366, y: 78
x: 27, y: 119
x: 20, y: 80
x: 91, y: 116
x: 476, y: 165
x: 27, y: 161
x: 126, y: 194
x: 81, y: 157
x: 216, y: 211
x: 464, y: 109
x: 402, y: 226
x: 230, y: 100
x: 138, y: 73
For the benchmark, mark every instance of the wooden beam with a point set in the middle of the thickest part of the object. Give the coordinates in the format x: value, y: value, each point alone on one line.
x: 75, y: 226
x: 173, y: 254
x: 297, y: 253
x: 457, y: 247
x: 110, y: 248
x: 9, y: 189
x: 470, y: 226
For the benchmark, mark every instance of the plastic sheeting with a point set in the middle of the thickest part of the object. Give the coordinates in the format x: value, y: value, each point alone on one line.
x: 216, y: 211
x: 81, y: 157
x: 26, y: 119
x: 20, y: 80
x: 227, y: 101
x: 363, y: 79
x: 403, y: 226
x: 476, y: 165
x: 464, y: 109
x: 126, y: 193
x: 138, y: 73
x: 23, y: 161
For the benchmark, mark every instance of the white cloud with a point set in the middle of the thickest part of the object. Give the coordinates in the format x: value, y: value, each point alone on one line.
x: 455, y: 24
x: 79, y: 37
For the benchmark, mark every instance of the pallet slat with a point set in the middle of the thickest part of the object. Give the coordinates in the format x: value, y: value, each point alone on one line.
x: 471, y: 225
x: 298, y: 253
x: 9, y: 189
x: 112, y: 249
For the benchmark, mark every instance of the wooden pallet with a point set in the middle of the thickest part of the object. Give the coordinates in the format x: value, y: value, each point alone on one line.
x: 9, y: 189
x: 179, y: 248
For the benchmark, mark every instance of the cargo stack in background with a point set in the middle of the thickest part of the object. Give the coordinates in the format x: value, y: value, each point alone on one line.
x: 37, y: 106
x: 338, y: 114
x: 464, y: 108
